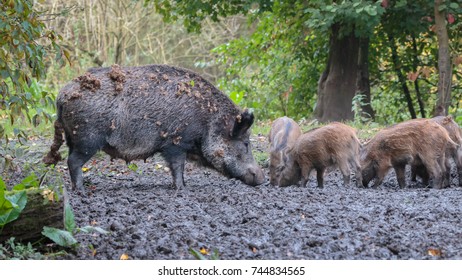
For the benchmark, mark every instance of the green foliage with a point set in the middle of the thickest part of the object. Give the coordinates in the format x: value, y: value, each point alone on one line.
x: 358, y: 16
x: 17, y: 251
x: 11, y: 204
x: 134, y: 167
x: 358, y: 103
x: 25, y: 44
x: 195, y: 11
x: 65, y: 238
x: 30, y: 181
x: 215, y: 255
x: 61, y: 237
x: 275, y: 70
x: 69, y: 218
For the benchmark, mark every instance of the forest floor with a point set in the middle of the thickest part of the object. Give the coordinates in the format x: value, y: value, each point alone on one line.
x: 148, y: 219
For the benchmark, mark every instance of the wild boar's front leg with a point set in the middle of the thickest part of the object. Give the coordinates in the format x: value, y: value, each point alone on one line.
x: 176, y: 158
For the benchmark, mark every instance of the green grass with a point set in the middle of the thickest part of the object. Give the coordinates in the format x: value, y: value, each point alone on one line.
x: 44, y: 128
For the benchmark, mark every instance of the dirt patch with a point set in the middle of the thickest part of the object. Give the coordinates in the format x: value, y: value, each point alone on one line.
x: 87, y: 81
x: 118, y: 76
x: 147, y: 219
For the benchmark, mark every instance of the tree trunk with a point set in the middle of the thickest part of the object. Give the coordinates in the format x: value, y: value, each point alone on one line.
x: 401, y: 77
x: 415, y: 63
x: 344, y: 77
x: 363, y: 85
x: 39, y: 212
x: 444, y: 59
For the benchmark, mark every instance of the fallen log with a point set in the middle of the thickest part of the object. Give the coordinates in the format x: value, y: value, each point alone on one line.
x: 40, y: 211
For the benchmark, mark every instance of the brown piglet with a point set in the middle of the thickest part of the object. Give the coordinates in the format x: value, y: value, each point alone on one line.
x: 405, y: 143
x: 335, y: 144
x: 454, y: 132
x: 283, y: 134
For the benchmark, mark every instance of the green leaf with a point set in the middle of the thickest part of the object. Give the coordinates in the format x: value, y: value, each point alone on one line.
x: 61, y: 237
x: 133, y: 167
x: 2, y: 186
x: 236, y: 96
x: 90, y: 229
x: 19, y: 187
x: 197, y: 254
x: 371, y: 10
x: 11, y: 206
x: 69, y: 219
x: 454, y: 6
x: 31, y: 181
x: 442, y: 7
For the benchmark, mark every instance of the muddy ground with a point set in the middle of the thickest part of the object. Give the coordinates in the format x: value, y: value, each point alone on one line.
x: 147, y: 219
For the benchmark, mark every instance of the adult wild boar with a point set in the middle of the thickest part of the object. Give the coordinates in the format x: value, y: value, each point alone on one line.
x: 283, y: 134
x: 454, y: 132
x: 335, y: 144
x: 405, y: 143
x: 135, y: 112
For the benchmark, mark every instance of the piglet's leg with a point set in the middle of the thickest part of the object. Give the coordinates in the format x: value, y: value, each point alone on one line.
x: 320, y: 177
x: 346, y: 172
x: 400, y: 175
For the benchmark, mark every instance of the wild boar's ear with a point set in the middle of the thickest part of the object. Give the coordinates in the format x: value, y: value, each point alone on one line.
x: 242, y: 123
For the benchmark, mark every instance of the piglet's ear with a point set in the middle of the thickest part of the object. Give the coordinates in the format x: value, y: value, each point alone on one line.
x: 242, y: 123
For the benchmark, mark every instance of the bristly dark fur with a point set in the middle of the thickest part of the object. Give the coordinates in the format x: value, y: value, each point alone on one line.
x: 152, y: 109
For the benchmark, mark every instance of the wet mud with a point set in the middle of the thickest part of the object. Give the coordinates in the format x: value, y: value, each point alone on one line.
x: 147, y: 219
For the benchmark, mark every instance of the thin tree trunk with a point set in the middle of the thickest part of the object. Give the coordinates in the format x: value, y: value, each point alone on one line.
x: 362, y: 83
x: 415, y: 63
x: 401, y: 77
x: 444, y: 58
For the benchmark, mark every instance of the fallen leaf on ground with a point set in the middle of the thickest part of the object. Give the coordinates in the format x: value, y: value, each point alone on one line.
x: 48, y: 194
x: 434, y: 252
x: 124, y: 257
x: 204, y: 251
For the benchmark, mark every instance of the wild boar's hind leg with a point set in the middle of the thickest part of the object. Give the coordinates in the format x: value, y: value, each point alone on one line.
x: 447, y: 173
x: 75, y: 163
x: 319, y: 177
x: 400, y: 175
x: 176, y: 158
x: 346, y: 172
x: 305, y: 174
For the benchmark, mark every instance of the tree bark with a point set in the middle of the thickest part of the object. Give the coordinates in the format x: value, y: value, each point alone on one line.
x: 345, y: 76
x: 444, y: 59
x: 401, y: 77
x: 363, y: 85
x: 39, y: 212
x: 415, y: 63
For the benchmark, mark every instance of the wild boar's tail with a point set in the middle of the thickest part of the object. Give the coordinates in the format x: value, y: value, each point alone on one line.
x: 53, y: 155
